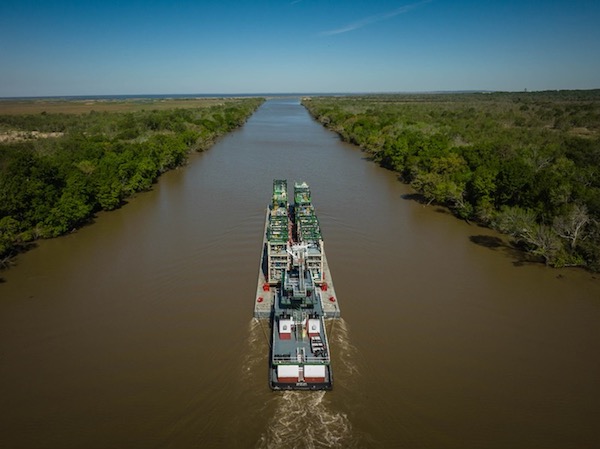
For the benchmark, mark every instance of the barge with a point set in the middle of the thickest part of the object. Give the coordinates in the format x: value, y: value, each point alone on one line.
x: 295, y: 292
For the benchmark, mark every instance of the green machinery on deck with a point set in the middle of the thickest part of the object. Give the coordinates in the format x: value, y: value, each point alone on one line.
x: 281, y: 232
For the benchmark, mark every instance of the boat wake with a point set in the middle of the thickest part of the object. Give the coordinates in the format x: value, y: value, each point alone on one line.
x: 305, y: 420
x: 258, y: 340
x: 345, y: 353
x: 309, y: 419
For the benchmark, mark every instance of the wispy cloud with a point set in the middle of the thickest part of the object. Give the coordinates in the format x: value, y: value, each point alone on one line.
x: 372, y: 19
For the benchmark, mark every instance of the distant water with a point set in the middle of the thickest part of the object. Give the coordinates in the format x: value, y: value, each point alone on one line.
x: 167, y: 96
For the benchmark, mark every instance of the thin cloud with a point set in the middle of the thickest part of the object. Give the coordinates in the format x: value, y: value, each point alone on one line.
x: 372, y: 19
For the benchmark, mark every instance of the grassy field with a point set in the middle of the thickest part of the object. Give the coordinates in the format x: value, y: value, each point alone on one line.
x: 70, y: 106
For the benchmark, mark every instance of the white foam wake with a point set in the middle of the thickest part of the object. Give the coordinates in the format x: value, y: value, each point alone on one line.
x: 308, y: 419
x: 304, y: 420
x: 258, y: 344
x: 344, y: 353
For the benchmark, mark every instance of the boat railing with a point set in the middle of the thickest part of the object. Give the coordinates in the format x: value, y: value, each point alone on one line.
x: 288, y: 358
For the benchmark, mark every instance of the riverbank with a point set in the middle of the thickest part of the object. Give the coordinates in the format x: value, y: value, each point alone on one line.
x: 58, y: 168
x: 525, y: 164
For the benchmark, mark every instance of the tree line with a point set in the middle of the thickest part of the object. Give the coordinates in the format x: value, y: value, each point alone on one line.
x: 50, y: 186
x: 526, y: 164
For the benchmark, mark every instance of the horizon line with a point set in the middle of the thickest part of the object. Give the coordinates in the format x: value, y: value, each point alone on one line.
x: 271, y: 94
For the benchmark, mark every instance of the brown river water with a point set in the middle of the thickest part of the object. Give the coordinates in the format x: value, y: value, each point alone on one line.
x: 137, y: 331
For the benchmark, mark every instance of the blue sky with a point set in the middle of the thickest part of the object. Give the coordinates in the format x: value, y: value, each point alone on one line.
x: 62, y: 47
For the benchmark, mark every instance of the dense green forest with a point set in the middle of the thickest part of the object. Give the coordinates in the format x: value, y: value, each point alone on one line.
x: 527, y: 164
x: 57, y: 170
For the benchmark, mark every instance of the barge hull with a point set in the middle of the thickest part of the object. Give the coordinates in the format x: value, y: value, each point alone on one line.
x: 280, y: 386
x: 295, y: 293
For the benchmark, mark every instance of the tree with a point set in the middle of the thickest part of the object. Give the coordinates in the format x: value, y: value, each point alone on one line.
x: 515, y: 221
x: 513, y: 183
x: 545, y: 243
x: 539, y: 239
x: 445, y: 183
x: 9, y: 228
x: 571, y: 226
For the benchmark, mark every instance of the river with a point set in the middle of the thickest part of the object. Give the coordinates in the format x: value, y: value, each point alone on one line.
x: 136, y: 331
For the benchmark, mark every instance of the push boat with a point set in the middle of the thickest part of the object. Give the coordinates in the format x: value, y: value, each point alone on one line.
x: 295, y: 292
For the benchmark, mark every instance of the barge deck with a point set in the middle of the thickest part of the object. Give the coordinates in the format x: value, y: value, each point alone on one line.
x: 295, y: 292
